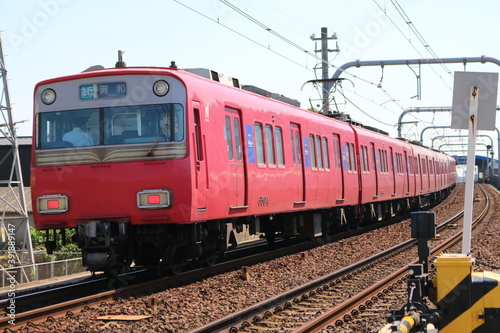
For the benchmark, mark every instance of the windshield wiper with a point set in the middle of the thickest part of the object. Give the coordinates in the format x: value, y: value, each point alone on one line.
x: 155, y: 144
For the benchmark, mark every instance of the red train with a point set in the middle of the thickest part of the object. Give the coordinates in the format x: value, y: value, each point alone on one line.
x: 162, y: 165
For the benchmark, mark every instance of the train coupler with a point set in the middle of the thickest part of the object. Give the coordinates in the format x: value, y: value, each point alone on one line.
x: 103, y: 244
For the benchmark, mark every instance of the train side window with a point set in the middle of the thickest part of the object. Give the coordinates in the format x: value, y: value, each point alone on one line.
x: 381, y: 158
x: 364, y: 159
x: 353, y: 157
x: 336, y: 152
x: 395, y: 162
x: 374, y: 158
x: 319, y: 156
x: 269, y: 145
x: 259, y: 143
x: 237, y: 138
x: 347, y: 157
x: 383, y: 161
x: 298, y: 147
x: 326, y: 157
x: 386, y: 164
x: 292, y: 143
x: 312, y: 151
x: 367, y: 160
x: 229, y: 138
x: 278, y: 133
x: 197, y: 133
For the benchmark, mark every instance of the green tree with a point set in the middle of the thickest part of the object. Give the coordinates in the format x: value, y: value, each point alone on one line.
x: 38, y: 240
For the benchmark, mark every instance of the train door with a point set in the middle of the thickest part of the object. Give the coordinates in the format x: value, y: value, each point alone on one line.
x: 407, y: 172
x: 237, y: 170
x: 200, y: 162
x: 338, y: 165
x: 373, y: 157
x: 297, y: 164
x: 423, y: 179
x: 394, y: 170
x: 428, y: 173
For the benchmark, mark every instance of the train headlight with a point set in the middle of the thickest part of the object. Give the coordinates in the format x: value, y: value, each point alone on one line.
x: 48, y: 96
x: 160, y: 88
x: 154, y: 199
x: 52, y: 204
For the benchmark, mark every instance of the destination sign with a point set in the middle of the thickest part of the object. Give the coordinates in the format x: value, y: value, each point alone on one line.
x: 103, y: 90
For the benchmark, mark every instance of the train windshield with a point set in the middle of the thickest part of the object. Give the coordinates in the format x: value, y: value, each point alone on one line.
x: 141, y: 124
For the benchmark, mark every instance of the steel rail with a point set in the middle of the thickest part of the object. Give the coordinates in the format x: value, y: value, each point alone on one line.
x: 38, y: 315
x: 343, y: 311
x: 244, y: 256
x: 264, y: 308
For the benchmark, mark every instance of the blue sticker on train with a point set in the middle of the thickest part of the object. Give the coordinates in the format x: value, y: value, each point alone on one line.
x: 251, y: 148
x: 306, y: 152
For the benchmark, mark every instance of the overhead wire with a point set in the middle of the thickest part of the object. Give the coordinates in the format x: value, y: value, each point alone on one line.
x: 252, y: 19
x: 293, y: 44
x: 240, y: 34
x: 407, y: 20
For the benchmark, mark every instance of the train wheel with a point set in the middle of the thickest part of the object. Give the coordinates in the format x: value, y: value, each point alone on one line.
x: 210, y: 259
x: 270, y: 237
x: 168, y: 268
x: 269, y: 230
x: 354, y: 219
x: 146, y: 262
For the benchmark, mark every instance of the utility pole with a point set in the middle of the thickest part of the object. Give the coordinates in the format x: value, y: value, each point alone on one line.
x: 325, y: 109
x: 15, y: 238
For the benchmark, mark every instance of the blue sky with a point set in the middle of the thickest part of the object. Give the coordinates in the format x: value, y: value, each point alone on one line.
x: 49, y: 38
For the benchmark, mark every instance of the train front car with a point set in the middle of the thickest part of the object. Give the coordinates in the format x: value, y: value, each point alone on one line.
x: 110, y: 159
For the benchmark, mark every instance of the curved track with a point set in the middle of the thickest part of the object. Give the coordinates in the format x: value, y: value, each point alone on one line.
x: 125, y: 287
x: 340, y: 296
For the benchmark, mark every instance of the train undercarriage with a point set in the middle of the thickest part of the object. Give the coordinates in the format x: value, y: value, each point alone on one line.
x: 110, y: 245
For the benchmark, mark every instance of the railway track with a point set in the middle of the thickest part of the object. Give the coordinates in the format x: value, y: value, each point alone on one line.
x: 341, y: 297
x: 35, y: 305
x: 126, y: 289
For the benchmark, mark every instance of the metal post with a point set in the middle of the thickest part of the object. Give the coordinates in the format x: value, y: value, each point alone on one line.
x: 16, y: 225
x: 325, y: 109
x: 324, y: 68
x: 469, y: 179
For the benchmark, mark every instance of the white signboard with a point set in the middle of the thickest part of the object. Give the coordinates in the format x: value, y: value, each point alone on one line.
x: 487, y: 100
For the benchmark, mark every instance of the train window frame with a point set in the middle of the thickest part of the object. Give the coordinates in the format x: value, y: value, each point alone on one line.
x: 280, y: 155
x: 198, y: 135
x: 292, y: 145
x: 143, y: 124
x: 326, y: 153
x: 237, y: 139
x: 259, y: 143
x: 298, y: 146
x: 312, y: 152
x: 229, y: 137
x: 365, y: 166
x: 337, y: 156
x: 347, y: 160
x: 319, y: 155
x: 269, y: 145
x: 353, y: 157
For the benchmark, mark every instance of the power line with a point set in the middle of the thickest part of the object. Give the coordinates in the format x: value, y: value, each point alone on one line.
x: 240, y: 34
x: 407, y: 20
x: 293, y: 44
